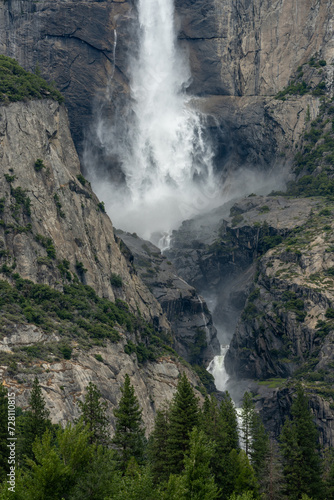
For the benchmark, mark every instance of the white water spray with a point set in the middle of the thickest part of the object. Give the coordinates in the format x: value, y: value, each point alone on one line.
x: 162, y: 150
x: 217, y: 369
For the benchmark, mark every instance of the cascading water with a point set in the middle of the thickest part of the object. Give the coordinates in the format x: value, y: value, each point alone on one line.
x: 217, y: 369
x: 160, y: 143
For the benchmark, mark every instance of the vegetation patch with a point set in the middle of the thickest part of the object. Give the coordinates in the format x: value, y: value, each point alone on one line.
x: 16, y: 84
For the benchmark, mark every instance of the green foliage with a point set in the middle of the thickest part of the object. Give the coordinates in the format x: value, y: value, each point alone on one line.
x: 116, y: 280
x: 220, y: 425
x: 101, y: 207
x: 158, y: 446
x: 22, y: 201
x: 35, y: 422
x: 81, y: 179
x: 184, y: 416
x: 299, y: 449
x: 98, y: 357
x: 249, y: 312
x: 66, y: 351
x: 48, y: 244
x: 245, y: 480
x: 129, y: 437
x: 330, y: 313
x: 39, y: 165
x: 59, y: 206
x: 197, y: 477
x: 143, y: 352
x: 16, y: 84
x: 205, y: 377
x: 294, y: 88
x: 78, y: 308
x: 237, y: 219
x: 197, y: 347
x: 294, y: 304
x: 81, y: 270
x: 64, y: 267
x: 93, y: 414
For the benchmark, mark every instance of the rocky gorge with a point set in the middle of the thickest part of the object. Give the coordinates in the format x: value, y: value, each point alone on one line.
x: 261, y: 73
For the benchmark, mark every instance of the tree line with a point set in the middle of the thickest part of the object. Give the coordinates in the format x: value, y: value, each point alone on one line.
x: 194, y: 452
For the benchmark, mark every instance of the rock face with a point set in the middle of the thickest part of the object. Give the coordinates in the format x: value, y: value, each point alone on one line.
x: 80, y: 45
x: 277, y: 315
x: 241, y: 54
x: 61, y: 207
x: 187, y: 312
x: 49, y: 215
x: 64, y: 382
x: 243, y: 48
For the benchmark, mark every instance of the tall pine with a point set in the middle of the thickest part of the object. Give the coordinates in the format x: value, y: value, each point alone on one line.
x: 184, y: 416
x: 158, y: 446
x: 129, y: 437
x: 94, y: 415
x: 35, y: 421
x: 299, y: 450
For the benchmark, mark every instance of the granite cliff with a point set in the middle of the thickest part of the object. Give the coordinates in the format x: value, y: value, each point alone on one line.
x: 241, y: 55
x: 56, y: 242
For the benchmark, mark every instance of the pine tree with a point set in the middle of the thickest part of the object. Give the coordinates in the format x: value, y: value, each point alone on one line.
x: 299, y: 449
x: 328, y: 473
x: 3, y: 433
x: 184, y: 416
x: 197, y: 475
x: 94, y: 415
x: 129, y: 437
x: 226, y: 439
x: 247, y: 416
x: 245, y: 479
x: 259, y: 446
x: 35, y: 421
x: 158, y: 446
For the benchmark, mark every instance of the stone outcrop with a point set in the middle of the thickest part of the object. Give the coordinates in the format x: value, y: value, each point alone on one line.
x: 187, y: 312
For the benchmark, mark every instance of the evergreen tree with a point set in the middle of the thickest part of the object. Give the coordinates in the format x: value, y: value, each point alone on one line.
x: 184, y: 416
x: 259, y: 446
x: 158, y: 446
x: 226, y: 439
x: 210, y: 417
x: 328, y: 473
x: 3, y: 433
x: 299, y: 450
x: 247, y: 416
x: 245, y: 479
x: 198, y: 478
x: 35, y: 421
x: 94, y: 415
x: 129, y: 437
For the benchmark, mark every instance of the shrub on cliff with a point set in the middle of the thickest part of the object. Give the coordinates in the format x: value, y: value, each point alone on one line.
x: 16, y: 84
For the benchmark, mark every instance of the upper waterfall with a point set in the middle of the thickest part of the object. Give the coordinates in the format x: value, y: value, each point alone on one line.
x: 166, y: 161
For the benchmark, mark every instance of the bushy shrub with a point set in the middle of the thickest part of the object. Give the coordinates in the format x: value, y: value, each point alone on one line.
x: 16, y: 84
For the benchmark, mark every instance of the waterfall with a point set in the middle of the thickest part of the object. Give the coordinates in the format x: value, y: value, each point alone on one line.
x: 217, y: 369
x: 160, y: 141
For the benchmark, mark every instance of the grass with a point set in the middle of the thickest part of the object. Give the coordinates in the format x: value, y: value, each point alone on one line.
x: 16, y: 84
